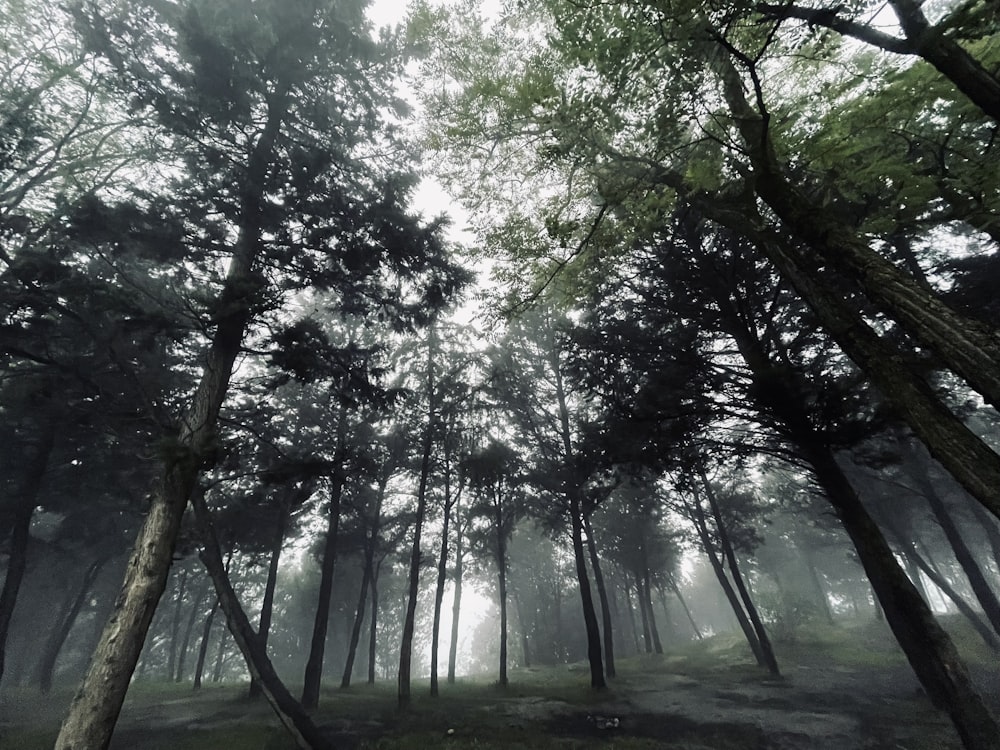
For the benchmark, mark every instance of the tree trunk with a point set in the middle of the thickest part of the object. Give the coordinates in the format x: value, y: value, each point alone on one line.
x: 359, y: 618
x: 644, y: 612
x: 587, y: 599
x: 317, y: 650
x: 36, y: 458
x: 175, y: 625
x: 523, y: 629
x: 456, y: 606
x: 814, y: 578
x: 206, y: 633
x: 64, y: 624
x: 989, y: 525
x: 406, y: 646
x: 967, y: 347
x: 289, y: 711
x: 442, y: 572
x: 188, y: 630
x: 267, y: 605
x: 977, y: 580
x: 647, y: 599
x: 767, y: 650
x: 698, y: 517
x: 631, y: 618
x: 95, y: 709
x: 502, y: 592
x: 602, y: 594
x: 677, y: 592
x: 373, y: 626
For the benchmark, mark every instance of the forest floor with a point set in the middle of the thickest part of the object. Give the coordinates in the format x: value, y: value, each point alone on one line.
x: 841, y: 689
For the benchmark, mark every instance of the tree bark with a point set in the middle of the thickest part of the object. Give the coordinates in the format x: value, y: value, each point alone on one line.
x: 602, y: 594
x: 64, y: 624
x: 502, y: 593
x: 95, y: 708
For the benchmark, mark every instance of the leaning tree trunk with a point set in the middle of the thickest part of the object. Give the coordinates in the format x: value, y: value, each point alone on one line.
x: 359, y: 618
x: 206, y: 633
x: 36, y: 458
x: 64, y: 624
x: 698, y: 517
x: 267, y: 605
x: 175, y: 625
x: 189, y: 630
x: 314, y: 664
x: 968, y: 347
x: 677, y: 592
x: 602, y: 594
x: 730, y: 554
x: 587, y: 598
x: 977, y: 580
x: 289, y: 711
x: 94, y: 711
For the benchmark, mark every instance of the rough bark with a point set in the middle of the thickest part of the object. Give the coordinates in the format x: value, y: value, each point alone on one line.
x: 64, y: 624
x: 602, y: 595
x: 96, y: 706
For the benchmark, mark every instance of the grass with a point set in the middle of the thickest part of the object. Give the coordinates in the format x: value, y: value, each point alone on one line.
x: 541, y: 708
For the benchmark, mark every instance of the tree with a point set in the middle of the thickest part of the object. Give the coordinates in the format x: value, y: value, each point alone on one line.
x: 272, y: 178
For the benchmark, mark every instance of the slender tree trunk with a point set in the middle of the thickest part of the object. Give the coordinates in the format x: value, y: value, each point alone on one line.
x: 977, y: 622
x: 698, y: 516
x: 409, y: 622
x: 677, y: 592
x: 373, y: 625
x: 523, y: 628
x: 814, y: 578
x: 989, y: 525
x: 175, y: 625
x: 456, y: 606
x: 646, y: 633
x: 206, y: 635
x: 977, y: 580
x: 602, y: 594
x: 631, y: 618
x: 730, y: 554
x: 36, y: 461
x: 267, y: 605
x: 359, y: 618
x: 502, y: 591
x: 196, y: 609
x: 442, y: 573
x: 64, y: 624
x: 648, y: 601
x: 589, y: 616
x: 317, y: 649
x: 289, y: 711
